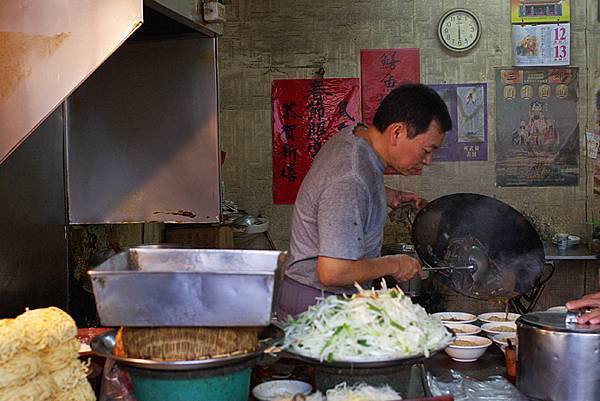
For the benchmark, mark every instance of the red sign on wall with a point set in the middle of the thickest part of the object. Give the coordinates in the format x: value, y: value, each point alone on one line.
x: 382, y: 70
x: 306, y: 113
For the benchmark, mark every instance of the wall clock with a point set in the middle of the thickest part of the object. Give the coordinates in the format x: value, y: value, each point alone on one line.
x: 459, y: 30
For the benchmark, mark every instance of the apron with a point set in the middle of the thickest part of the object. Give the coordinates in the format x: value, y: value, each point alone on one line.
x: 295, y: 298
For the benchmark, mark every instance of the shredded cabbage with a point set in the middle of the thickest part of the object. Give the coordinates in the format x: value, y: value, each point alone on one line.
x: 361, y: 392
x: 369, y: 326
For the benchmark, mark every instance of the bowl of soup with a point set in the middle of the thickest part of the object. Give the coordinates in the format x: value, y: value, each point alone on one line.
x: 491, y: 329
x: 455, y: 317
x: 467, y: 348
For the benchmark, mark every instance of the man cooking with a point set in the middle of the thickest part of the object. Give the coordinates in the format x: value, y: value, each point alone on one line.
x: 340, y: 210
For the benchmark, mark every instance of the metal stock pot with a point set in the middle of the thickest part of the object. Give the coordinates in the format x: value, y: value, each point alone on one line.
x: 558, y: 360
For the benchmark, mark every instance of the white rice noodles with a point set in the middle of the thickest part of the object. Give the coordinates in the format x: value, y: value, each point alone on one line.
x: 361, y: 392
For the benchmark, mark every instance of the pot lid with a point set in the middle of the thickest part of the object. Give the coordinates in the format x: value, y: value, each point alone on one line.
x: 556, y: 321
x: 467, y: 229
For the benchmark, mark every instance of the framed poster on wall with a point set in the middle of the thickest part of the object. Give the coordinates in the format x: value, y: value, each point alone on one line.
x: 467, y: 140
x: 540, y: 11
x: 537, y: 133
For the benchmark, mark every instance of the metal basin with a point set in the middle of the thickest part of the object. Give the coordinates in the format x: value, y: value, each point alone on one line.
x: 161, y: 287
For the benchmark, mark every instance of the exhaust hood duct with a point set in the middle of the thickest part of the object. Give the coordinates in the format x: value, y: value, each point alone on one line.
x: 188, y: 13
x: 47, y: 48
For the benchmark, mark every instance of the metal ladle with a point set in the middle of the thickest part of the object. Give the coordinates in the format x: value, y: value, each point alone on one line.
x: 450, y: 268
x: 478, y: 264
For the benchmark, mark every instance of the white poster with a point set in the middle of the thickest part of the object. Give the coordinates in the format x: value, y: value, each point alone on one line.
x: 542, y: 45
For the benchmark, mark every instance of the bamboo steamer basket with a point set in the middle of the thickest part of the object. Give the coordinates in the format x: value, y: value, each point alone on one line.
x: 184, y: 343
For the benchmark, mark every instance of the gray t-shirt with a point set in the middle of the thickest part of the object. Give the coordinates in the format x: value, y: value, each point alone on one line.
x: 340, y: 209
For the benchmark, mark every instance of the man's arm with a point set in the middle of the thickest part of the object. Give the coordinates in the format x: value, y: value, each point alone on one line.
x: 333, y: 272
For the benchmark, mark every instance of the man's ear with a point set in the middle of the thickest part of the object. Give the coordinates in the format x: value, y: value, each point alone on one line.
x: 397, y: 131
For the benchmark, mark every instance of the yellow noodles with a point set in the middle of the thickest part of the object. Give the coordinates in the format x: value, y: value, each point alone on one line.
x: 39, y: 358
x: 60, y: 356
x: 46, y: 327
x: 22, y: 367
x: 81, y: 392
x: 67, y: 377
x: 38, y: 389
x: 504, y: 329
x: 465, y: 343
x: 11, y: 339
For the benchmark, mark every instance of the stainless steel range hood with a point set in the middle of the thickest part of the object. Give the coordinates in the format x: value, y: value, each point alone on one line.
x: 47, y: 48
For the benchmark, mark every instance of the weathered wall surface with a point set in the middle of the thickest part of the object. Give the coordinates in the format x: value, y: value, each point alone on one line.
x: 283, y: 39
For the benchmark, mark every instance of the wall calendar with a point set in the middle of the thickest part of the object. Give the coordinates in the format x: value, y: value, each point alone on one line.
x: 541, y: 45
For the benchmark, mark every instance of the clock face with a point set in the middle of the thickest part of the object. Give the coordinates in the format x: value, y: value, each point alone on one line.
x: 459, y: 30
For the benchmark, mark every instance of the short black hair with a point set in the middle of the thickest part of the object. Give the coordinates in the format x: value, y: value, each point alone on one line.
x: 416, y: 105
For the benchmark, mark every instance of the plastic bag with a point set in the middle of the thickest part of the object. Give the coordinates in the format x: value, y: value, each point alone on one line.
x: 116, y: 385
x: 464, y: 388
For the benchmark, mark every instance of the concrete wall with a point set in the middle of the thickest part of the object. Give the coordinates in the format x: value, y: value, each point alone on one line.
x: 283, y: 39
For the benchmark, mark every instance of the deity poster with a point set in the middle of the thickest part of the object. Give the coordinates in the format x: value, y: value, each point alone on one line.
x: 305, y: 114
x: 382, y: 70
x: 467, y: 140
x: 537, y: 132
x: 540, y: 11
x: 541, y: 45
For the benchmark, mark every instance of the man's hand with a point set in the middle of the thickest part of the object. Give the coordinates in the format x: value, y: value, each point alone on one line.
x: 397, y: 199
x: 404, y: 205
x: 588, y: 301
x: 404, y: 267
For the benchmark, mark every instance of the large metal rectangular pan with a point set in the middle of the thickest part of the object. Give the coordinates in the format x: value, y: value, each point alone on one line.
x: 158, y: 287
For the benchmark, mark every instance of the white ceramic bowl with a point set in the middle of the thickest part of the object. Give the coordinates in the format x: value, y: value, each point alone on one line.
x: 280, y: 390
x: 468, y: 353
x: 502, y: 340
x: 491, y: 329
x: 498, y: 317
x: 455, y: 317
x: 461, y: 329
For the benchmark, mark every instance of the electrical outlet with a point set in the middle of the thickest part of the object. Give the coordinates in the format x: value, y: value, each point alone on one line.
x: 214, y: 11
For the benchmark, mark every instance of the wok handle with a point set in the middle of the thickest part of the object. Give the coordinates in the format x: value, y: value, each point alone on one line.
x: 430, y: 268
x: 547, y: 273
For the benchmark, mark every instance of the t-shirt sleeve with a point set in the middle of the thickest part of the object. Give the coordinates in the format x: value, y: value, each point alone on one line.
x: 342, y: 214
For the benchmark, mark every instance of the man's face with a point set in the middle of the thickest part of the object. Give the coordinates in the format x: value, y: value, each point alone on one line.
x: 408, y: 156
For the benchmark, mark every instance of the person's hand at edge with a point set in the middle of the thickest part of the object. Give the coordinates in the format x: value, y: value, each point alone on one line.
x: 589, y: 301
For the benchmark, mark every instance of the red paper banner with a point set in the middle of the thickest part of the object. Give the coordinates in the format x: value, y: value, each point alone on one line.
x: 306, y: 113
x: 382, y: 70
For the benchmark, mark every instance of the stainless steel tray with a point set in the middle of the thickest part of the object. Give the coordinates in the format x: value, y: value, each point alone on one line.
x: 157, y: 287
x: 104, y: 343
x: 370, y: 364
